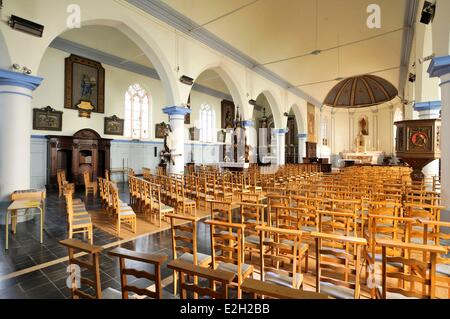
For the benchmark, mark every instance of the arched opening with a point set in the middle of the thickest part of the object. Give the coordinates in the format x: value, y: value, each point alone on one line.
x: 214, y: 112
x: 291, y: 143
x: 125, y: 65
x: 265, y: 122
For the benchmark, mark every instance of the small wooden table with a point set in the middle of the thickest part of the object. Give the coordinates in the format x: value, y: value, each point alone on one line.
x: 21, y: 204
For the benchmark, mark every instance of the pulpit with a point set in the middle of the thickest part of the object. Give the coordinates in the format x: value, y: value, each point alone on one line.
x: 84, y: 151
x: 418, y: 143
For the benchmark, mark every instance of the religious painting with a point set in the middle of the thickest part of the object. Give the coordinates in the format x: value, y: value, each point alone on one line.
x: 420, y: 138
x: 47, y: 119
x: 228, y: 111
x: 194, y: 134
x: 363, y: 125
x: 114, y: 125
x: 84, y: 85
x: 160, y: 130
x: 311, y: 123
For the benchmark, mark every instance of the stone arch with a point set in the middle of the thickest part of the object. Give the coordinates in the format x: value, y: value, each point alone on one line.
x: 231, y: 83
x: 301, y: 126
x: 145, y: 42
x: 275, y: 108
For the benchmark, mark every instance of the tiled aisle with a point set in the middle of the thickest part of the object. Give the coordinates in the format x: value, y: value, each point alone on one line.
x: 25, y: 251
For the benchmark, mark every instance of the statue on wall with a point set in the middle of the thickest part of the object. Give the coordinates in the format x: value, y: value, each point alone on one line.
x: 364, y: 126
x: 166, y: 154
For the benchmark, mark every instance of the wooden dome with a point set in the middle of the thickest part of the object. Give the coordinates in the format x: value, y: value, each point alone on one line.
x: 361, y: 91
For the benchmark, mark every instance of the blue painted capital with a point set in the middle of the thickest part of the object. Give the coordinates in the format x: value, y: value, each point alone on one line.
x: 280, y: 131
x: 303, y: 135
x: 439, y: 66
x: 427, y: 106
x: 176, y: 110
x: 25, y: 81
x: 248, y: 123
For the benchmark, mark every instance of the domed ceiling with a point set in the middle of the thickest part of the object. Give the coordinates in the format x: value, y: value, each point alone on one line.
x: 361, y: 91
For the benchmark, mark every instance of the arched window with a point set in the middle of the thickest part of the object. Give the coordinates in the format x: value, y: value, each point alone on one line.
x: 207, y: 124
x: 136, y: 112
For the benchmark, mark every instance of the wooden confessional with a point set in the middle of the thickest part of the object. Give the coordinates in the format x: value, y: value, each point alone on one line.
x: 86, y: 150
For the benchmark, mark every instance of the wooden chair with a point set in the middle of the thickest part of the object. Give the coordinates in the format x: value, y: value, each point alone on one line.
x: 158, y: 209
x: 293, y: 218
x: 214, y: 276
x: 265, y: 289
x: 416, y: 276
x: 63, y: 183
x: 338, y: 272
x: 184, y: 241
x: 251, y: 215
x: 90, y: 187
x: 184, y: 205
x: 122, y: 213
x: 280, y: 257
x: 227, y: 251
x: 74, y: 246
x: 154, y: 260
x: 437, y: 233
x: 78, y: 219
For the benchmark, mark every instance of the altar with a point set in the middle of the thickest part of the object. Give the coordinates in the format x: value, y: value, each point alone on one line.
x: 373, y: 158
x: 234, y: 166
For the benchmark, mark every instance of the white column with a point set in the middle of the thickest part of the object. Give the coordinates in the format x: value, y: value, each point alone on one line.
x: 351, y: 128
x: 176, y: 119
x: 391, y: 133
x: 428, y: 110
x: 333, y: 138
x: 375, y: 144
x: 440, y: 67
x: 252, y: 139
x: 280, y: 135
x: 302, y: 138
x: 15, y: 131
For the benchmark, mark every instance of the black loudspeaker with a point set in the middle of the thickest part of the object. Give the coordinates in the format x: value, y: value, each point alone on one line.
x: 428, y: 12
x: 156, y: 151
x: 412, y: 77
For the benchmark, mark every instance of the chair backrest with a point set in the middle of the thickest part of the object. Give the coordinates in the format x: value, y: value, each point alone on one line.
x: 416, y: 272
x: 252, y: 215
x: 337, y: 267
x: 184, y: 235
x: 227, y: 244
x: 155, y: 260
x: 212, y: 276
x: 221, y: 211
x: 283, y: 248
x: 76, y: 264
x: 87, y: 178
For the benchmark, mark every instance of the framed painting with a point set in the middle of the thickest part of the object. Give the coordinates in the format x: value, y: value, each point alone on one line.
x: 228, y: 112
x: 84, y: 83
x: 160, y: 130
x: 114, y: 126
x: 47, y: 119
x: 311, y: 123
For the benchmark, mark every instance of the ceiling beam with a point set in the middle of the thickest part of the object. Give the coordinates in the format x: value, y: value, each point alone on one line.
x: 167, y: 14
x: 411, y: 9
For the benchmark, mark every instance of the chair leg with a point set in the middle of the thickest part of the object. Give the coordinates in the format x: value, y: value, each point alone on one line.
x: 175, y: 283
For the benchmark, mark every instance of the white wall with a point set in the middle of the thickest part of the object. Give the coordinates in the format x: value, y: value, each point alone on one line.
x: 123, y: 150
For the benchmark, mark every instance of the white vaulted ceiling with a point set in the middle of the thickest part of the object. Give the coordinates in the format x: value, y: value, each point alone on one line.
x: 272, y: 32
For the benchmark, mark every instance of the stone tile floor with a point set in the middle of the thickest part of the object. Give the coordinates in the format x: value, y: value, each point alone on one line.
x: 25, y: 251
